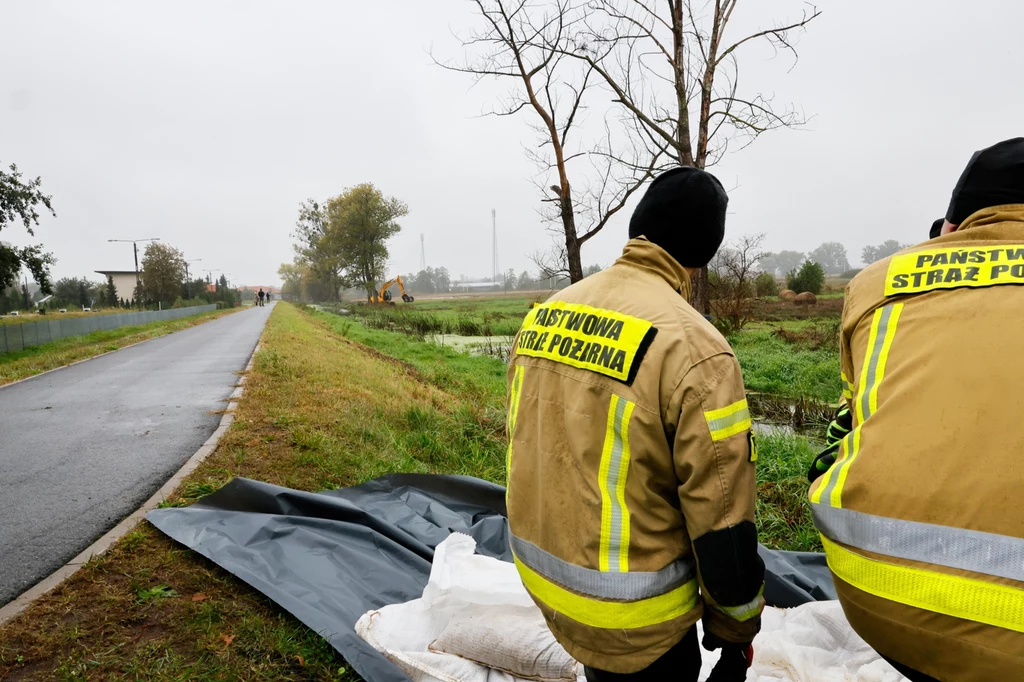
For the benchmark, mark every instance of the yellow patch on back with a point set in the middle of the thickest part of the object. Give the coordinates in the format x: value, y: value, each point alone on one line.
x: 954, y: 268
x: 594, y: 339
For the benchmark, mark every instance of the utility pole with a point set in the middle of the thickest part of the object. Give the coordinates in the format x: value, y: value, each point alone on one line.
x: 188, y: 280
x: 494, y: 246
x: 194, y: 260
x: 423, y: 253
x: 138, y: 279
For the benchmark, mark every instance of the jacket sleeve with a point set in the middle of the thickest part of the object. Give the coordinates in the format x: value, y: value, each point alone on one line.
x: 714, y: 455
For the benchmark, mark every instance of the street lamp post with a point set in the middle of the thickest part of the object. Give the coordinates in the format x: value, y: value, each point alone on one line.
x: 135, y: 248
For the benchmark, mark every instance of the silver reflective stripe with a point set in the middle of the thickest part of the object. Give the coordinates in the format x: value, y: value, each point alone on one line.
x: 733, y: 419
x: 865, y: 397
x: 615, y: 547
x: 632, y: 586
x: 968, y: 550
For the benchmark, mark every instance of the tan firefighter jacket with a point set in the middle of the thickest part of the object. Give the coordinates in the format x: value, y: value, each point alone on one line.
x: 922, y: 515
x: 631, y: 475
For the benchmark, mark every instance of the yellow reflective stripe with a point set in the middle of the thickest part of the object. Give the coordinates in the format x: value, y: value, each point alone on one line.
x: 847, y: 386
x: 868, y: 403
x: 876, y: 354
x: 966, y: 598
x: 513, y: 413
x: 823, y: 481
x: 744, y: 612
x: 613, y: 553
x: 728, y: 421
x: 610, y: 615
x: 859, y: 405
x: 890, y: 334
x: 620, y: 490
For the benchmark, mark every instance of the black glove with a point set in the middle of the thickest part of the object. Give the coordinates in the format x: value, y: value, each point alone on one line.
x: 825, y: 459
x: 732, y: 666
x: 840, y: 427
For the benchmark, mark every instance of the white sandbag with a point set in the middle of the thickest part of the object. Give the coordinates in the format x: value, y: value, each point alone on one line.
x: 811, y: 643
x: 462, y: 585
x: 814, y: 643
x: 516, y: 642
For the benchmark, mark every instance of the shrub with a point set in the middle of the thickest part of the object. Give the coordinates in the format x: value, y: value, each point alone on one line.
x: 765, y: 285
x: 810, y: 277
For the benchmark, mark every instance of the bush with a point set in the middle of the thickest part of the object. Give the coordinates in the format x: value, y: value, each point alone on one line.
x: 810, y: 277
x: 765, y: 285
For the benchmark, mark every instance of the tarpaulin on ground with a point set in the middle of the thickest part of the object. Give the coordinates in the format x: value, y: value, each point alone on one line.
x: 327, y: 558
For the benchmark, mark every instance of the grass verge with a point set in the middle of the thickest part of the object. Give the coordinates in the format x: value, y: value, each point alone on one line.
x: 36, y: 359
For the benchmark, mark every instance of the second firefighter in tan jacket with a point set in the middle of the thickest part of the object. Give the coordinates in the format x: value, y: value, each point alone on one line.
x: 631, y: 462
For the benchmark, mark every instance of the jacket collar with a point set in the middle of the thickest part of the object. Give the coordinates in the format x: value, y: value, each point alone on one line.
x: 644, y: 255
x: 1007, y: 213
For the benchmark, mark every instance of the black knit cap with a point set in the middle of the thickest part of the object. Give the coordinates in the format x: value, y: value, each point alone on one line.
x: 993, y: 177
x: 683, y: 212
x: 936, y: 228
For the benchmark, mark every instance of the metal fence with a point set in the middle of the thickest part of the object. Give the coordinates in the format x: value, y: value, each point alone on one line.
x: 18, y: 336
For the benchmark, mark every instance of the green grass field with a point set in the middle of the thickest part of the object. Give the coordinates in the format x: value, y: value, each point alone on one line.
x: 791, y: 358
x: 476, y: 316
x: 787, y: 369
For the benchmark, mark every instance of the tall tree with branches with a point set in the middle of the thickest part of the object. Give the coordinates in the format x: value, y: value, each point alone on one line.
x: 673, y: 68
x: 731, y: 282
x: 19, y: 200
x: 317, y: 247
x: 528, y: 43
x: 360, y: 221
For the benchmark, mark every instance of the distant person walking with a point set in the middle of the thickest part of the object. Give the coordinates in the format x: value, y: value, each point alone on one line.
x: 261, y: 295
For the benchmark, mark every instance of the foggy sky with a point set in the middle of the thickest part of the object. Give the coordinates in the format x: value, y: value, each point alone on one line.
x: 206, y: 123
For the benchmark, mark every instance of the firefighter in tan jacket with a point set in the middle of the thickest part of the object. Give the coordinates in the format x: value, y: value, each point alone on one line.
x: 922, y: 514
x: 631, y: 463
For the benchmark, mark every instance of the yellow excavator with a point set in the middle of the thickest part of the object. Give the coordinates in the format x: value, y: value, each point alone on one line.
x: 384, y: 296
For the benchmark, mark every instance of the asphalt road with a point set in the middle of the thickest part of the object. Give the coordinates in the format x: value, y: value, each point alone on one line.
x: 83, y: 447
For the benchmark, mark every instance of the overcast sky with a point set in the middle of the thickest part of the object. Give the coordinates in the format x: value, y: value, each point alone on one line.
x: 206, y: 123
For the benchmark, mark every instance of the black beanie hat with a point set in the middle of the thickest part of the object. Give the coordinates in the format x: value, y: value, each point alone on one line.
x: 936, y: 229
x: 993, y: 177
x: 683, y: 212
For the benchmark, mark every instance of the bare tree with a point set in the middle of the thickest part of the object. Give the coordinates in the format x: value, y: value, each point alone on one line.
x: 528, y: 42
x: 732, y: 272
x: 666, y: 61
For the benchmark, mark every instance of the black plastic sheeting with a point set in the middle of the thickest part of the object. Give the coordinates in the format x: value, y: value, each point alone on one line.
x: 327, y: 558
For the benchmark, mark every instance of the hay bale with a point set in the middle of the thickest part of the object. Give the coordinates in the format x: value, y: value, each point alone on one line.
x: 787, y: 295
x: 806, y: 298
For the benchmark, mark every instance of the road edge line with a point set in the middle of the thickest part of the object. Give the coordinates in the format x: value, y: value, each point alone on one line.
x: 78, y: 362
x: 12, y: 609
